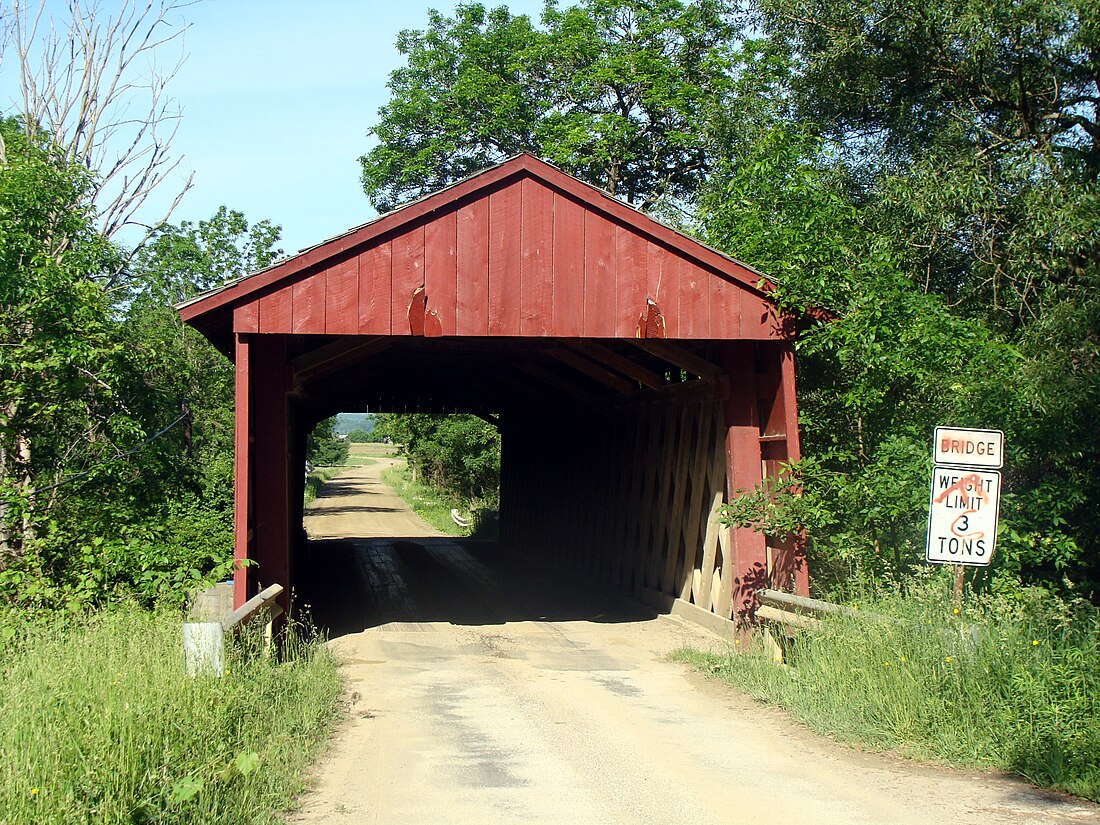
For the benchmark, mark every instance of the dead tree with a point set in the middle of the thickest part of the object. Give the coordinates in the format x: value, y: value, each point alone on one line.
x: 94, y: 85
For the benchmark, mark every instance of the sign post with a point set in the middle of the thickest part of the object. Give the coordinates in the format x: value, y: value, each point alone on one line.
x: 965, y: 498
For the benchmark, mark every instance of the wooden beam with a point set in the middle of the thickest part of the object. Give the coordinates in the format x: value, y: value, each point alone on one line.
x: 360, y: 350
x: 679, y: 357
x: 619, y: 362
x: 554, y: 380
x: 320, y: 355
x: 593, y: 370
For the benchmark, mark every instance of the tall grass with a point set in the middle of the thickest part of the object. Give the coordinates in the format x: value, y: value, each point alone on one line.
x: 316, y: 480
x: 429, y: 504
x: 100, y: 724
x: 1011, y: 682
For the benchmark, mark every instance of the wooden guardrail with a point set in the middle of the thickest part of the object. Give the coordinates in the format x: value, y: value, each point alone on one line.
x: 794, y: 611
x: 204, y: 642
x: 263, y: 600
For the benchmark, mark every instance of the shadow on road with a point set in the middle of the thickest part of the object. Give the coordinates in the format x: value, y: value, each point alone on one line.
x: 351, y: 585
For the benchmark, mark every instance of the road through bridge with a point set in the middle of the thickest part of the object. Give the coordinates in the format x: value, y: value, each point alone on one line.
x: 485, y: 688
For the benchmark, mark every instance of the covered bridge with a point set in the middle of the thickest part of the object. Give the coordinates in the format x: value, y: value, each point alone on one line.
x: 638, y: 379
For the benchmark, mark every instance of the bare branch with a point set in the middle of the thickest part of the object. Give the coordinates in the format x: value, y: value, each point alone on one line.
x: 92, y: 86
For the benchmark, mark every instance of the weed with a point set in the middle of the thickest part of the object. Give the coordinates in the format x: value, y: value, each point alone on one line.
x: 1010, y: 682
x: 316, y: 480
x: 100, y: 724
x: 426, y: 502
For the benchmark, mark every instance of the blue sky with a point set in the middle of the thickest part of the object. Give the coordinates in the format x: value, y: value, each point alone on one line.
x: 277, y: 98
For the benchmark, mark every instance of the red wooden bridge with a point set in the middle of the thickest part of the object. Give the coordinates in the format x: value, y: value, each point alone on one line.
x: 638, y: 379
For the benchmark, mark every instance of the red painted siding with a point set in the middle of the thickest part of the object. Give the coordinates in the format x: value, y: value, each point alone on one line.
x: 406, y: 274
x: 473, y: 268
x: 537, y: 260
x: 568, y: 268
x: 276, y: 310
x: 246, y: 318
x: 342, y: 310
x: 504, y: 261
x: 521, y: 259
x: 374, y: 290
x: 599, y: 276
x: 441, y: 270
x: 630, y: 296
x: 725, y: 308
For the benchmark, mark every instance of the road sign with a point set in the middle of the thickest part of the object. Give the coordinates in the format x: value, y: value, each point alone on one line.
x: 962, y: 515
x: 969, y: 448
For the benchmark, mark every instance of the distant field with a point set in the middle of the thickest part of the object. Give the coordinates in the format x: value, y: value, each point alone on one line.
x: 373, y: 450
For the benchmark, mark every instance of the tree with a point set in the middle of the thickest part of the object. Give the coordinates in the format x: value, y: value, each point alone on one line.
x: 56, y: 348
x: 614, y: 92
x: 93, y: 88
x: 459, y: 455
x: 324, y: 448
x: 925, y: 173
x: 181, y: 487
x: 919, y: 176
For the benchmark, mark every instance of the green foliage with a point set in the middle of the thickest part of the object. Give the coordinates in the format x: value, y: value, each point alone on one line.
x: 101, y: 724
x: 324, y: 448
x: 924, y: 176
x: 611, y: 91
x: 429, y: 503
x: 1010, y: 683
x: 948, y: 225
x: 457, y: 454
x: 316, y: 480
x: 59, y: 407
x: 96, y: 416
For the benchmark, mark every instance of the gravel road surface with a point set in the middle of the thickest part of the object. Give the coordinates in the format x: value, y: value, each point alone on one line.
x: 484, y: 690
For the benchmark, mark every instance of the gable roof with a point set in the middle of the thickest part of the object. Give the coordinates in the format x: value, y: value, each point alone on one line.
x: 518, y: 249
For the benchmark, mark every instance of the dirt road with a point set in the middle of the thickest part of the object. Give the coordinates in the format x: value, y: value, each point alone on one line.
x: 485, y: 691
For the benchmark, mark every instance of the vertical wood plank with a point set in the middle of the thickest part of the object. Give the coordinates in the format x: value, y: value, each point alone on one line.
x: 504, y: 261
x: 723, y: 583
x: 758, y: 318
x: 743, y: 459
x: 342, y: 299
x: 242, y: 488
x: 794, y: 446
x: 680, y: 468
x: 309, y: 296
x: 694, y: 311
x: 568, y: 268
x: 725, y: 309
x: 246, y: 317
x: 663, y: 285
x: 406, y: 274
x: 695, y: 505
x: 631, y: 276
x: 599, y: 276
x: 537, y: 272
x: 441, y: 270
x: 374, y: 290
x: 473, y: 268
x: 276, y: 311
